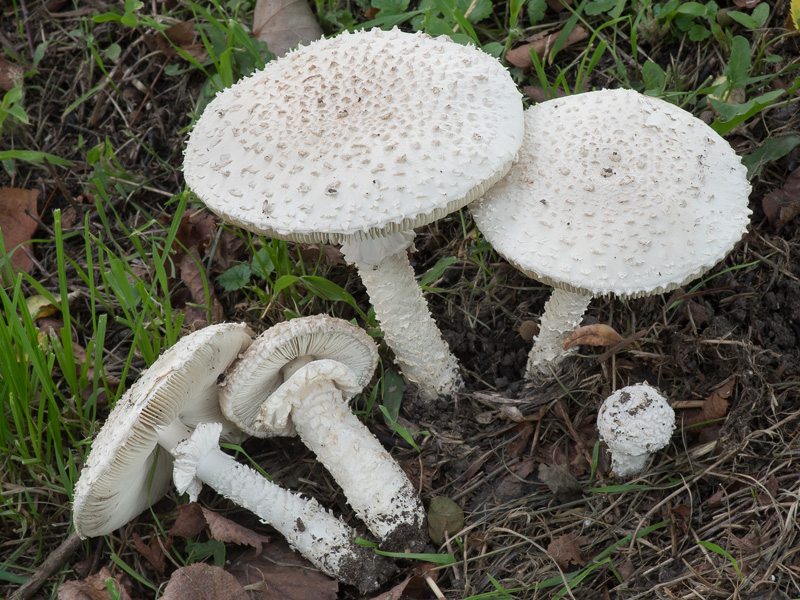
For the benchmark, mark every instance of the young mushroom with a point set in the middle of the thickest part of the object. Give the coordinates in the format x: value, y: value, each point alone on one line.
x: 168, y: 425
x: 297, y: 377
x: 356, y: 140
x: 634, y: 422
x: 614, y: 192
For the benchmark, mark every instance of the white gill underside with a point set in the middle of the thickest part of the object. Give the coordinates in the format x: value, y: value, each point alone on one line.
x: 408, y: 327
x: 563, y: 312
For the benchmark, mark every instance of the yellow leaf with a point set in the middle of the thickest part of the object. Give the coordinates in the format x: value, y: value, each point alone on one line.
x: 39, y: 307
x: 794, y: 15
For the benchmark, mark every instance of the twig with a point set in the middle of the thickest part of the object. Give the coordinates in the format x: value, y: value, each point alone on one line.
x: 49, y: 567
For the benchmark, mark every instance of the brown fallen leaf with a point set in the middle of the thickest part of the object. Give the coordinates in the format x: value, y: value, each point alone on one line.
x: 561, y: 482
x: 715, y: 407
x: 190, y: 522
x: 225, y: 530
x: 94, y: 587
x: 10, y: 75
x: 542, y: 44
x: 414, y: 587
x: 17, y: 226
x: 564, y: 550
x: 151, y: 552
x: 283, y: 24
x: 278, y: 573
x: 783, y: 205
x: 593, y: 335
x: 203, y: 582
x: 193, y: 518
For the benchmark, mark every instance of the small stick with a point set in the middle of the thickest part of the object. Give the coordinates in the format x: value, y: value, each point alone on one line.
x: 49, y: 567
x: 435, y: 588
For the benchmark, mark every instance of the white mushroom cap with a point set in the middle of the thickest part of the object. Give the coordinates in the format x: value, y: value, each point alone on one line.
x: 616, y: 192
x: 364, y: 134
x: 125, y: 471
x: 634, y: 422
x: 273, y: 357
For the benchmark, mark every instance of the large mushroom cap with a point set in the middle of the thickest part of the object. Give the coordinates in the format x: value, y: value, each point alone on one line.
x: 616, y: 192
x: 125, y: 471
x: 364, y: 134
x: 260, y: 370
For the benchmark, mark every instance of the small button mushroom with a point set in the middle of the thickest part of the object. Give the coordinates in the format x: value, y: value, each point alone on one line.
x: 370, y: 173
x: 634, y: 422
x: 614, y: 192
x: 168, y: 424
x: 298, y: 377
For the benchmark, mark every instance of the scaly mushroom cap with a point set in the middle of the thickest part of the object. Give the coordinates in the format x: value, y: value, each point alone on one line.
x: 635, y: 421
x: 364, y: 134
x: 616, y: 192
x: 125, y: 471
x: 260, y: 370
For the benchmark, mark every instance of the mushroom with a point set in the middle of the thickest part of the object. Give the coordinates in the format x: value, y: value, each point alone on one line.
x: 614, y: 192
x: 356, y: 140
x: 168, y: 424
x: 634, y: 422
x: 297, y: 377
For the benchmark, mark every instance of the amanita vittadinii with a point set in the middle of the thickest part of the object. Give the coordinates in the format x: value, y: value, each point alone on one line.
x: 614, y: 192
x: 634, y: 422
x: 168, y: 426
x: 356, y: 140
x: 298, y: 376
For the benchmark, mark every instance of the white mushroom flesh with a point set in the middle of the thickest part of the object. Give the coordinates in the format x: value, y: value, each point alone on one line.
x: 410, y: 331
x: 618, y: 193
x: 635, y: 422
x: 373, y: 483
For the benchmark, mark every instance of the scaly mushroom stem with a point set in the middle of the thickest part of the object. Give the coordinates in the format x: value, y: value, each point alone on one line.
x: 372, y: 481
x: 563, y: 312
x: 409, y: 328
x: 319, y: 536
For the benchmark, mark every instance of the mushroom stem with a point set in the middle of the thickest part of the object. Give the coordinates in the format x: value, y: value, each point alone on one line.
x: 563, y: 312
x: 374, y: 484
x: 409, y: 328
x: 625, y: 465
x: 311, y: 530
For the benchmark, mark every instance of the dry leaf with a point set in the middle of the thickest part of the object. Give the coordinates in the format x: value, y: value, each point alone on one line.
x: 715, y: 407
x: 278, y: 573
x: 521, y: 56
x: 561, y: 482
x: 10, y: 75
x: 225, y: 530
x: 203, y: 582
x: 564, y: 550
x: 283, y: 24
x: 17, y: 226
x: 413, y: 587
x: 524, y: 431
x: 190, y: 522
x: 444, y: 516
x: 593, y: 335
x: 783, y: 205
x: 94, y: 587
x: 151, y: 552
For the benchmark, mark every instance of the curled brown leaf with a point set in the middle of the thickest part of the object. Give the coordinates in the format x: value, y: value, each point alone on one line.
x: 593, y: 335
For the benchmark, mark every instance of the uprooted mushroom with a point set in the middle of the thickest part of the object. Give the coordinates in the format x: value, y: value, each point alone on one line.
x: 614, y: 192
x: 168, y: 426
x: 356, y: 140
x: 297, y: 377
